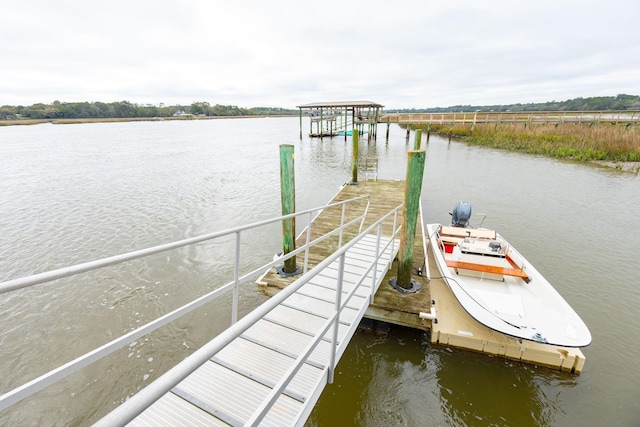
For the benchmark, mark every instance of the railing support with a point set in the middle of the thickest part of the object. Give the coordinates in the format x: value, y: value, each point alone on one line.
x: 236, y: 282
x: 336, y: 325
x: 341, y: 226
x: 306, y: 252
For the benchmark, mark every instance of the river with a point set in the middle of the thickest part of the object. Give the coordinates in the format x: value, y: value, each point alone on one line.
x: 75, y: 193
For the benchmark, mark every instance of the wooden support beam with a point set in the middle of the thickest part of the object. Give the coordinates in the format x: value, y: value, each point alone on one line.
x: 354, y: 156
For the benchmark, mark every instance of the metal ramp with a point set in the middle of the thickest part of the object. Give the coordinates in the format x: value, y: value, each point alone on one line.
x: 270, y: 366
x: 230, y: 388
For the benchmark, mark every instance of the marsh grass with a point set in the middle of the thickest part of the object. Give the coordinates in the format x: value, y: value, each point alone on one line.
x: 580, y: 142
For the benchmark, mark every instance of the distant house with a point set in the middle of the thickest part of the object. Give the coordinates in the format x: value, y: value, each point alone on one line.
x: 182, y: 114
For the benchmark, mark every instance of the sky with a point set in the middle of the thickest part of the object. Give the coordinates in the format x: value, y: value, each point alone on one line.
x: 277, y: 53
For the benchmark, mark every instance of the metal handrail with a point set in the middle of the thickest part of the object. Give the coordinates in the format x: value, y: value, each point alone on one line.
x: 150, y: 394
x: 13, y: 396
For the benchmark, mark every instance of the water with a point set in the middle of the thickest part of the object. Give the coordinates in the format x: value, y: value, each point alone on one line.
x: 74, y: 193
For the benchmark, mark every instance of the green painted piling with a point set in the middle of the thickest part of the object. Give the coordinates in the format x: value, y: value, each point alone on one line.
x: 354, y: 156
x: 417, y: 142
x: 412, y: 191
x: 288, y: 196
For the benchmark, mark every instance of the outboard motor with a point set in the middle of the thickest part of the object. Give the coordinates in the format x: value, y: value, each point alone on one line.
x: 461, y: 214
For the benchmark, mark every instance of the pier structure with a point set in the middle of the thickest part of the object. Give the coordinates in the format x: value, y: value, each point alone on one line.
x: 525, y: 118
x: 270, y: 366
x: 434, y: 309
x: 341, y: 118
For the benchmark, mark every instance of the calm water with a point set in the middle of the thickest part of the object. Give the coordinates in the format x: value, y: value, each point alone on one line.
x: 74, y: 193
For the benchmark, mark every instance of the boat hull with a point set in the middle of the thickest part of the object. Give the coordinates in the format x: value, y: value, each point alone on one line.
x: 500, y: 289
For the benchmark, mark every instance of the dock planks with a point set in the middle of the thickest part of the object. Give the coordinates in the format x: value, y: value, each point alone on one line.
x: 388, y: 305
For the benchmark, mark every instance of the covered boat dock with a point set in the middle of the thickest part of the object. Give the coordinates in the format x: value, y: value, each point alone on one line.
x: 341, y: 118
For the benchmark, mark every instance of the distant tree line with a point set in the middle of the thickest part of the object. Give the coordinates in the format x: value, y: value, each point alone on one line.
x: 597, y: 103
x: 126, y: 109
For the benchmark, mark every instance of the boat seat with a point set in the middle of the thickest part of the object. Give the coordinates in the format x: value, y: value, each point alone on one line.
x: 505, y: 271
x: 460, y: 232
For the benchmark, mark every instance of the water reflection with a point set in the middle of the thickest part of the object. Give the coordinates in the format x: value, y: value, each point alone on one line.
x: 480, y: 390
x: 399, y: 379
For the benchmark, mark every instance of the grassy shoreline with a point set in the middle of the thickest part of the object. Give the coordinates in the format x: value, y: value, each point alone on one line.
x: 607, y: 145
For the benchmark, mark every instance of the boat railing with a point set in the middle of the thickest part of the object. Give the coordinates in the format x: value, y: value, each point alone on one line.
x: 514, y: 257
x: 43, y: 381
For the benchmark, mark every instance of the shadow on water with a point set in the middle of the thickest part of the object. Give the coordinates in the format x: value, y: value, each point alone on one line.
x: 400, y: 379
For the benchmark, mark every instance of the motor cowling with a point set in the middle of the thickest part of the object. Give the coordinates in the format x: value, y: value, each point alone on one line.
x: 461, y: 214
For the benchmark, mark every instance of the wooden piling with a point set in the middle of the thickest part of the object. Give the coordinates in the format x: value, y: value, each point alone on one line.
x: 417, y: 142
x: 388, y: 124
x: 354, y: 156
x: 412, y: 191
x: 288, y: 197
x: 346, y: 123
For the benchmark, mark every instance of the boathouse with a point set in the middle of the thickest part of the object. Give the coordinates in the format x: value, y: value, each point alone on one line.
x: 340, y: 118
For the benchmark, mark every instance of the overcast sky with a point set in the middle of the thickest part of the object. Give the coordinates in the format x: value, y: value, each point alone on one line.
x: 402, y: 54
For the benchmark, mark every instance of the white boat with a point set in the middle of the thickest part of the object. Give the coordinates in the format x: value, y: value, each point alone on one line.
x: 499, y: 288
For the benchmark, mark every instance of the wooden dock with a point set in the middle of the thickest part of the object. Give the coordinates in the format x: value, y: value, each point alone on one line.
x: 389, y: 305
x: 525, y: 118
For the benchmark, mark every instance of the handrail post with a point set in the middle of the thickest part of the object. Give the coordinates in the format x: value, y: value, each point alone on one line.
x: 393, y: 233
x: 306, y: 251
x: 366, y: 211
x: 344, y: 207
x: 334, y: 337
x: 375, y: 269
x: 236, y: 281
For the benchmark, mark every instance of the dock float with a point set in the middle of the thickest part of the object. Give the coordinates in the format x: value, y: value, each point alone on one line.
x: 453, y: 327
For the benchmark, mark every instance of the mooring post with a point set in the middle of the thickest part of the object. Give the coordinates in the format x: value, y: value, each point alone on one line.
x: 288, y: 196
x: 346, y: 124
x: 412, y: 191
x: 428, y: 131
x: 388, y: 124
x: 417, y: 139
x: 354, y: 157
x: 301, y: 123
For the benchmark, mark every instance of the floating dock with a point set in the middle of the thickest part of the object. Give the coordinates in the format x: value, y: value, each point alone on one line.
x: 453, y: 326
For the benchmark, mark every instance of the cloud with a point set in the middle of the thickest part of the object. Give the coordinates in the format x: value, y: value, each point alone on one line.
x: 284, y: 53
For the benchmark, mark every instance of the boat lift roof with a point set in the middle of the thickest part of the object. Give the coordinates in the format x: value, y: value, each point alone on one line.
x: 341, y: 104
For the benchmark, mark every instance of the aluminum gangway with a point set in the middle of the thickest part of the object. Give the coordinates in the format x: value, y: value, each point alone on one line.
x: 269, y: 367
